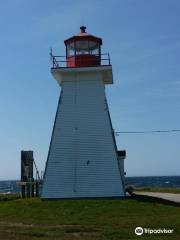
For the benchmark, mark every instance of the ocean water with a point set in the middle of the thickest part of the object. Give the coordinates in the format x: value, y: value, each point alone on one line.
x: 163, y: 181
x: 9, y: 186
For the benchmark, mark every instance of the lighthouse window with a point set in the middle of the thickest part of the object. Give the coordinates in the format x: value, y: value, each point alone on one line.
x: 82, y: 47
x: 93, y: 48
x: 70, y: 49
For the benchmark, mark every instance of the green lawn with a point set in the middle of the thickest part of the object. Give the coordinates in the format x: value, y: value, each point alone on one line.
x: 33, y: 219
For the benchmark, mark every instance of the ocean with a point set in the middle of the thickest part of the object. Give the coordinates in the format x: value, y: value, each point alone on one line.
x: 10, y: 186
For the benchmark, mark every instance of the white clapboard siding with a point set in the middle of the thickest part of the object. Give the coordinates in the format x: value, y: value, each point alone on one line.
x: 82, y: 159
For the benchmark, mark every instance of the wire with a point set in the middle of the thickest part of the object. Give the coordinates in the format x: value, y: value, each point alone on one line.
x: 144, y: 132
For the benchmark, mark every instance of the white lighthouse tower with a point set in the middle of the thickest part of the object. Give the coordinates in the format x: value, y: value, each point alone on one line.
x: 83, y: 159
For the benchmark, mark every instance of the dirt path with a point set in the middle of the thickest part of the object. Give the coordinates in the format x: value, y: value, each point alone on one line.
x: 174, y: 197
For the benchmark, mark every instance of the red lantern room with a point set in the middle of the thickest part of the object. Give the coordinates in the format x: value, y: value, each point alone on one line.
x: 83, y: 50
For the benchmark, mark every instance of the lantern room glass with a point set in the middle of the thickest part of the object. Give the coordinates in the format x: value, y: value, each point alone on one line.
x: 83, y: 47
x: 93, y: 48
x: 70, y: 49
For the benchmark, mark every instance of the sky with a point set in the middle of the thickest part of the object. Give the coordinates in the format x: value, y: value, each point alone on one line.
x: 143, y: 39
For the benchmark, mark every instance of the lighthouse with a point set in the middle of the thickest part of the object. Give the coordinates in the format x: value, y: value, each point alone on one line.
x: 83, y: 159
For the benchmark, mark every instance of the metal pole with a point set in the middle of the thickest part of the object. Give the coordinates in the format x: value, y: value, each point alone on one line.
x: 109, y: 59
x: 37, y: 172
x: 37, y: 189
x: 32, y: 190
x: 23, y: 191
x: 28, y: 190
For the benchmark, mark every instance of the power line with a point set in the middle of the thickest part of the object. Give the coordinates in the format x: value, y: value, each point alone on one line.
x: 144, y: 132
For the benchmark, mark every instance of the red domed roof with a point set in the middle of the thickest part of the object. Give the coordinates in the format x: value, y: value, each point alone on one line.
x: 83, y: 35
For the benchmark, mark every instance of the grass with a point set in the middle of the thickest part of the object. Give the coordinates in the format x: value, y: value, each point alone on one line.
x: 157, y: 189
x: 33, y: 219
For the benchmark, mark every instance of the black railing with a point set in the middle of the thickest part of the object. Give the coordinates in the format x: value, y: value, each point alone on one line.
x: 63, y: 62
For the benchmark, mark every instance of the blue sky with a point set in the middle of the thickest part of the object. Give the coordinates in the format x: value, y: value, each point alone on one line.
x: 143, y: 39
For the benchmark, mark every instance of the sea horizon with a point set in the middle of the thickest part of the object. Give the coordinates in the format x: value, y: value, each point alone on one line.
x: 10, y: 186
x: 125, y: 177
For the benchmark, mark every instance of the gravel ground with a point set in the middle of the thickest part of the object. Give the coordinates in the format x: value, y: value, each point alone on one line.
x: 174, y: 197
